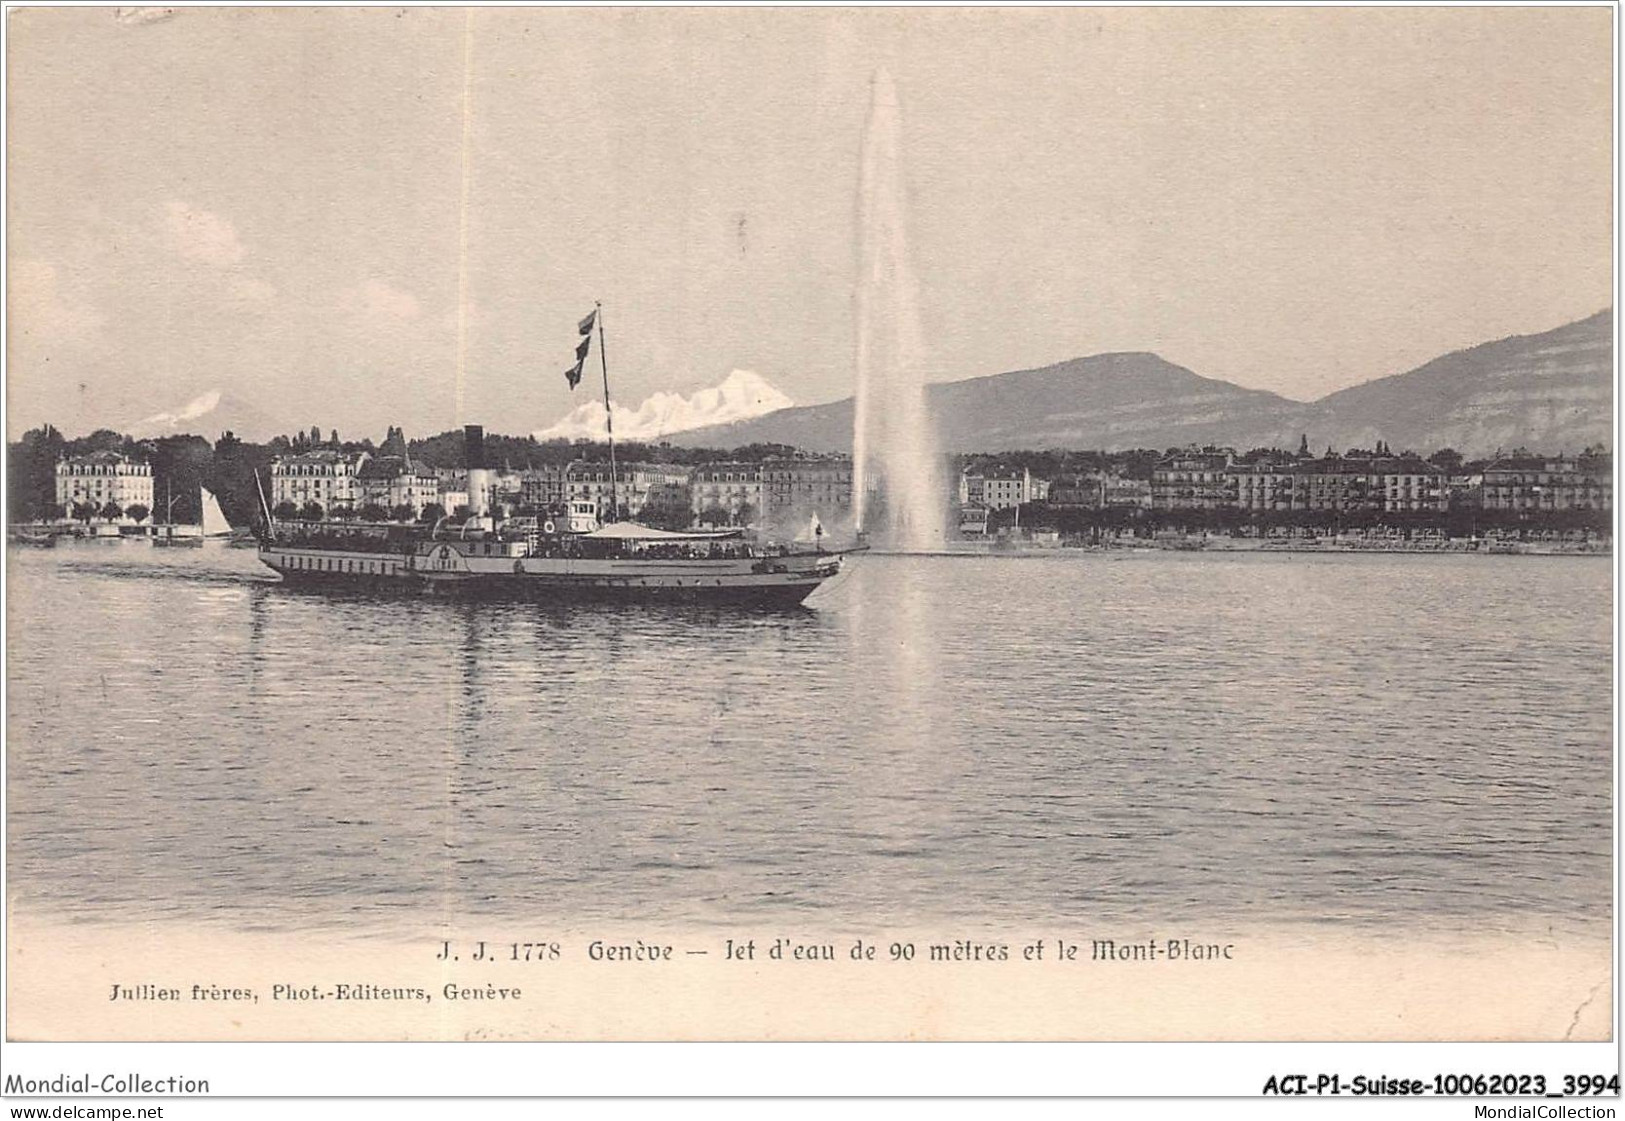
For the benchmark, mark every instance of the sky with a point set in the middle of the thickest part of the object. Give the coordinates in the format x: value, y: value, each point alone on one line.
x: 365, y: 217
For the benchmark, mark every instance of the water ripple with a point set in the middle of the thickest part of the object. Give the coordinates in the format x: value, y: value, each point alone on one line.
x: 1392, y: 740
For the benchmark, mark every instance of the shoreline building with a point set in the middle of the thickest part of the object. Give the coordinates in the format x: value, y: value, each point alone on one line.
x: 733, y: 487
x: 630, y: 486
x: 1001, y: 489
x: 973, y: 521
x: 328, y: 478
x: 793, y: 490
x: 544, y: 486
x: 1275, y: 482
x: 1530, y: 482
x: 103, y: 477
x: 640, y: 480
x: 1266, y: 483
x: 393, y: 481
x: 507, y: 489
x: 1197, y: 479
x: 585, y: 481
x: 1352, y: 483
x: 1098, y: 490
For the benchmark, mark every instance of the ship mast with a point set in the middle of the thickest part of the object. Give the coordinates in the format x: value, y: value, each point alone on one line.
x: 609, y: 418
x: 264, y: 505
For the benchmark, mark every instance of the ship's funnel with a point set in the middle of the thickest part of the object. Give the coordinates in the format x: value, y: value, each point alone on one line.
x: 473, y: 446
x: 479, y: 478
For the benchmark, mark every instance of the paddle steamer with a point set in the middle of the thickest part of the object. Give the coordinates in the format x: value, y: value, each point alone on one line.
x: 564, y: 558
x: 567, y: 554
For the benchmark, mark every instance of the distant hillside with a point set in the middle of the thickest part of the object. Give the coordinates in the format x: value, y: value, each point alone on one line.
x: 1106, y: 401
x: 1551, y: 391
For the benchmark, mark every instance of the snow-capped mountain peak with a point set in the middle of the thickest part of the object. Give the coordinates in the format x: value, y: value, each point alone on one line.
x: 742, y: 395
x: 208, y: 415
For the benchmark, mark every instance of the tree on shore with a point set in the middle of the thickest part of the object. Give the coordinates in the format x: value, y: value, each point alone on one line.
x: 372, y: 512
x: 285, y: 512
x: 230, y: 475
x: 402, y: 513
x: 112, y: 511
x: 84, y: 511
x: 311, y: 512
x: 431, y: 512
x: 138, y: 512
x: 31, y: 473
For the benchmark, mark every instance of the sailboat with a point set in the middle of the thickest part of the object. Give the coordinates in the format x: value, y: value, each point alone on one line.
x: 214, y: 525
x: 214, y: 518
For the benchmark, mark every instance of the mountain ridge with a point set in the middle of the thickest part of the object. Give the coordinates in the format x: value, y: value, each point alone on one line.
x: 1551, y: 388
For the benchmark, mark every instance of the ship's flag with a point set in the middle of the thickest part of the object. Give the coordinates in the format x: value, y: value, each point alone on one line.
x: 573, y: 374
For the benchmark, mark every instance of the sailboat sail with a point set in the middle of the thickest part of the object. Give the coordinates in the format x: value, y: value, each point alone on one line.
x: 214, y: 519
x: 813, y: 533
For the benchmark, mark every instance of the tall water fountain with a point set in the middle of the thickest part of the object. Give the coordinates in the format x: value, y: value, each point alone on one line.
x: 898, y: 493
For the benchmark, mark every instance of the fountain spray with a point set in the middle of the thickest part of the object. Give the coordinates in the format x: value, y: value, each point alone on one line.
x: 894, y: 446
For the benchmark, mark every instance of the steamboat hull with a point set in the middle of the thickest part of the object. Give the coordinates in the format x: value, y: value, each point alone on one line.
x: 777, y: 583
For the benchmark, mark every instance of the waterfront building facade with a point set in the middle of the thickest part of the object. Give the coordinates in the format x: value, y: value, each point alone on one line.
x: 1330, y: 485
x: 1544, y: 483
x: 795, y: 489
x: 331, y: 479
x: 1464, y: 490
x: 506, y: 488
x: 1412, y: 484
x: 973, y: 521
x: 103, y: 477
x: 734, y: 487
x: 1087, y: 491
x: 1263, y: 485
x: 1275, y: 483
x: 1193, y: 480
x: 394, y: 481
x: 638, y: 480
x: 1001, y: 489
x: 1380, y: 483
x: 1121, y: 491
x: 631, y: 486
x: 589, y: 482
x: 1097, y: 490
x: 544, y: 486
x: 970, y: 490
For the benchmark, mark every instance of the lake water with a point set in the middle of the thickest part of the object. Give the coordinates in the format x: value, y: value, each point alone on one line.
x: 1407, y: 742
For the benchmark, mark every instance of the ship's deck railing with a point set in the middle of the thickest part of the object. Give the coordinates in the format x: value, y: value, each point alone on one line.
x: 348, y: 537
x: 575, y: 545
